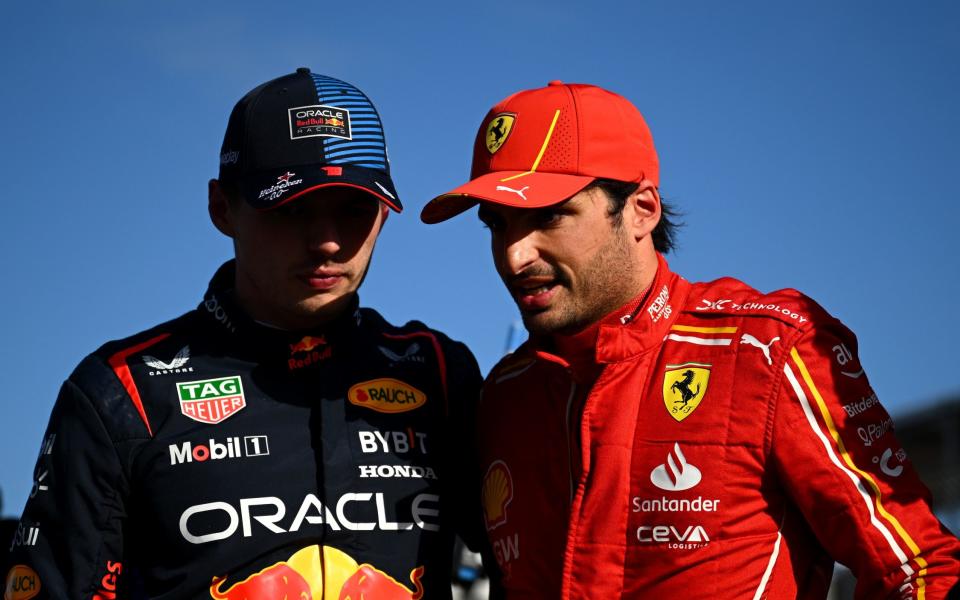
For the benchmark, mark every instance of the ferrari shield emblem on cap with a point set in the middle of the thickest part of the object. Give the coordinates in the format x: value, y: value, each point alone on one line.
x: 498, y: 130
x: 684, y: 387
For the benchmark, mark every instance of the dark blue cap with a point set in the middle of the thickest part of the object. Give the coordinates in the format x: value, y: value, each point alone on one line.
x: 302, y: 132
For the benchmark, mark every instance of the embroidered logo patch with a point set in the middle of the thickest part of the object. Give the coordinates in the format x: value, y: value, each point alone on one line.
x: 22, y: 583
x: 497, y: 493
x: 319, y: 121
x: 676, y: 474
x: 177, y: 365
x: 684, y: 387
x: 498, y: 130
x: 308, y: 351
x: 386, y: 395
x: 211, y: 401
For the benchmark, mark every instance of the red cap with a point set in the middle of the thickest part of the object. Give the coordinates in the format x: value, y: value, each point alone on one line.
x: 540, y: 147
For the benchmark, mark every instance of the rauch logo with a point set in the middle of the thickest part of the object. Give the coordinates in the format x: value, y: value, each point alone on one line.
x: 386, y: 395
x: 23, y: 583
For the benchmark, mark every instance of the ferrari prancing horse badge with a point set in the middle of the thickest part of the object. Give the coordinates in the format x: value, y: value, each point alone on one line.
x: 684, y: 387
x: 498, y: 130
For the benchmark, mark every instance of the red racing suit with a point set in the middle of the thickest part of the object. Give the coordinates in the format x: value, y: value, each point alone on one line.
x: 730, y: 446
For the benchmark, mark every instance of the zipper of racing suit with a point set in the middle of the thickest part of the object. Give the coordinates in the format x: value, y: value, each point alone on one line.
x: 573, y: 448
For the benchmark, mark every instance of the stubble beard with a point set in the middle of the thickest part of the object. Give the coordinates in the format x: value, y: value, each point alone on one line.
x: 607, y: 282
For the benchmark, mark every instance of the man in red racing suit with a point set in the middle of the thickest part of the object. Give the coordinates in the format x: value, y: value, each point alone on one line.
x: 656, y: 438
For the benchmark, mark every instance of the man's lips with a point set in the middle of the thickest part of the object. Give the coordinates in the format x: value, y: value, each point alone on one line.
x: 535, y: 293
x: 323, y: 278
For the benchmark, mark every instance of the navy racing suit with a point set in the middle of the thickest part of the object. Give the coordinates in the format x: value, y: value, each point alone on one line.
x: 213, y: 456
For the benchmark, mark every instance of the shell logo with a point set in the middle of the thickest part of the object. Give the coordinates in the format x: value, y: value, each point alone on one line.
x: 497, y: 493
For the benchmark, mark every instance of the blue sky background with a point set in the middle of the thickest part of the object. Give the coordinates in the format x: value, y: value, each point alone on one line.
x: 810, y: 145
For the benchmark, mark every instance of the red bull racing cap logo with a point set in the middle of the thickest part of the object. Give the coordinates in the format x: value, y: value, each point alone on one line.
x: 319, y: 121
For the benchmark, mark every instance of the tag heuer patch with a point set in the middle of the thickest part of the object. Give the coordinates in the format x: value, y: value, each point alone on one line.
x: 684, y: 387
x: 319, y: 121
x: 498, y: 130
x: 211, y: 400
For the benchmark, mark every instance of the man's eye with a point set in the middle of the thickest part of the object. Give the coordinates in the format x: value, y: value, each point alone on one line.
x: 290, y: 209
x: 359, y: 211
x: 548, y: 218
x: 490, y: 222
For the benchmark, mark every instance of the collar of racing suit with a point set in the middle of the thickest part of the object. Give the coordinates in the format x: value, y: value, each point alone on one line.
x: 634, y: 328
x: 272, y: 344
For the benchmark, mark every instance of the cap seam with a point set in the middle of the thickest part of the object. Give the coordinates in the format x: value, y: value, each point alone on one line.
x: 576, y: 115
x: 244, y: 173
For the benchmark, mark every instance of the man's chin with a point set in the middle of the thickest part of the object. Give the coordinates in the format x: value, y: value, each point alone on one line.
x: 543, y: 322
x: 554, y: 322
x: 320, y: 308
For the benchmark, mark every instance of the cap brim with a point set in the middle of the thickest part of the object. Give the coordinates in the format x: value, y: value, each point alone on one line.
x: 509, y: 188
x: 265, y: 191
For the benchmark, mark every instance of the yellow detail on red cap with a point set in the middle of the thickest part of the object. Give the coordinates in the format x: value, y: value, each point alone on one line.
x: 543, y: 148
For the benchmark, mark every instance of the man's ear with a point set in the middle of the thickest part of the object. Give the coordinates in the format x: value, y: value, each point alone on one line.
x: 218, y: 205
x: 642, y: 210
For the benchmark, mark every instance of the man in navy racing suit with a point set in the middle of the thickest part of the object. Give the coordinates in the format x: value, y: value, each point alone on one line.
x: 278, y: 441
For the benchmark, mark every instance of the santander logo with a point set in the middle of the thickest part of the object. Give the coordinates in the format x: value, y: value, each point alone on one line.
x: 677, y: 474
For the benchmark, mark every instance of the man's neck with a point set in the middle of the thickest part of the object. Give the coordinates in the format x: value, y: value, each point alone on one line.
x: 292, y: 320
x: 579, y: 349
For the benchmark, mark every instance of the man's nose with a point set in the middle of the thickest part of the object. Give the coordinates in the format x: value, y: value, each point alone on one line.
x: 324, y: 237
x: 519, y: 252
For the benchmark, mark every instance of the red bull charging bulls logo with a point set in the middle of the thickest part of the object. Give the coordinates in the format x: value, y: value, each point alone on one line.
x: 308, y: 351
x: 307, y: 576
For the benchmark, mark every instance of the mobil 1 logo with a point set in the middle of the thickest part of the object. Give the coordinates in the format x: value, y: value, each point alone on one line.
x: 232, y: 447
